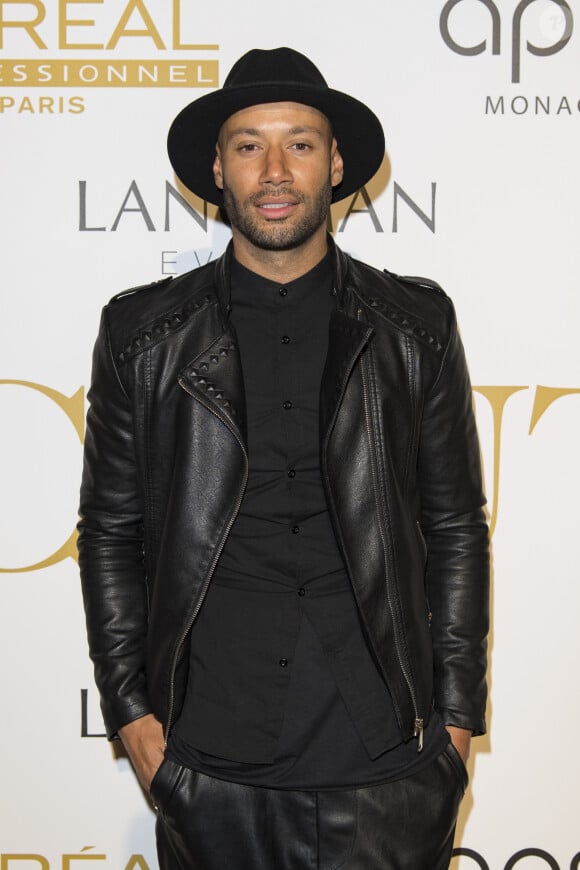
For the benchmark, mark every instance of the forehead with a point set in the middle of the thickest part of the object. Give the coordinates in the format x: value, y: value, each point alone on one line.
x: 276, y: 115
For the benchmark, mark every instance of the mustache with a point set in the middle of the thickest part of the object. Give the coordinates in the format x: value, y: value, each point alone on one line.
x: 256, y: 198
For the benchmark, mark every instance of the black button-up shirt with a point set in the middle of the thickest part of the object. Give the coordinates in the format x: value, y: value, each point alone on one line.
x: 280, y: 673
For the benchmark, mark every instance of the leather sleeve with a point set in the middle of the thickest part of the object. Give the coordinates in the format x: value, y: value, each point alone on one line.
x: 456, y: 534
x: 111, y: 546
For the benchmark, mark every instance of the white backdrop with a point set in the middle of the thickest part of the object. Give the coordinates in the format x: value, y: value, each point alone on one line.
x: 481, y: 105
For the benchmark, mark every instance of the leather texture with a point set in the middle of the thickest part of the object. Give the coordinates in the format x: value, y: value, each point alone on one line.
x: 166, y: 465
x: 209, y: 824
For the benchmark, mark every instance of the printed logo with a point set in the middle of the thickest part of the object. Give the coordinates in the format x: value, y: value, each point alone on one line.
x: 551, y: 30
x: 546, y: 857
x: 102, y: 44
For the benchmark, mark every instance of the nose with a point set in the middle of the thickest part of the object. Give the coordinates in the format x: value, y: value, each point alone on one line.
x: 276, y: 170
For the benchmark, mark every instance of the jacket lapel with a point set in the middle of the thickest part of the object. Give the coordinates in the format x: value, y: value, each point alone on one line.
x: 346, y: 341
x: 214, y: 375
x: 214, y: 378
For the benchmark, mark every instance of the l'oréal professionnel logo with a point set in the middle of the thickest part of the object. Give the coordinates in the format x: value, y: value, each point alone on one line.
x: 550, y: 24
x: 33, y: 29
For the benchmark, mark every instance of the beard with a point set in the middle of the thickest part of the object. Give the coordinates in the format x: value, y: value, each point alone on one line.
x: 282, y: 234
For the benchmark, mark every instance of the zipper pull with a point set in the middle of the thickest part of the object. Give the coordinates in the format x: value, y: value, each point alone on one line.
x: 419, y: 733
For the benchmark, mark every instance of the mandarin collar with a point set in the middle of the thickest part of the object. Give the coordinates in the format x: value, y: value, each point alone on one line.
x: 222, y: 274
x: 252, y: 289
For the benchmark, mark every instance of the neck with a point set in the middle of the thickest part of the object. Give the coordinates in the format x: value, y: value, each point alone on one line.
x: 281, y: 266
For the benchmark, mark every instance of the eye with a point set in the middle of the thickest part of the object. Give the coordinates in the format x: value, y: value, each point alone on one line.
x: 248, y: 147
x: 301, y: 146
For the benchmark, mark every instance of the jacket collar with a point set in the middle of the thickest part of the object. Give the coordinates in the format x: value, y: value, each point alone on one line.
x: 214, y: 375
x: 223, y: 281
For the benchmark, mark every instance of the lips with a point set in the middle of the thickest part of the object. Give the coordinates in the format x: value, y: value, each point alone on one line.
x: 276, y: 209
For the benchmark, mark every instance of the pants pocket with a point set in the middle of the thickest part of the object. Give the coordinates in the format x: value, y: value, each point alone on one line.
x: 458, y: 764
x: 164, y: 784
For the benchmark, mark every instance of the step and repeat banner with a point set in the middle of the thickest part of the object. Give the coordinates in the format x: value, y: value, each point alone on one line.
x: 480, y: 190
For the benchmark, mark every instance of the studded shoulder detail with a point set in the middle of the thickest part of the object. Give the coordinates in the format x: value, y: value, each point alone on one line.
x: 161, y: 327
x: 404, y: 321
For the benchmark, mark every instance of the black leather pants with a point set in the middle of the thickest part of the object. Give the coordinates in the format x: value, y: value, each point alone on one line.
x: 208, y: 824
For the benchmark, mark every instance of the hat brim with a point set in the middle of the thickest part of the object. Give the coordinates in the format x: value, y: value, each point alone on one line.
x: 193, y: 135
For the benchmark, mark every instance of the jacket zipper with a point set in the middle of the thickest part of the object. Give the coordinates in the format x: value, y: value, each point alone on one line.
x: 419, y: 722
x: 193, y: 616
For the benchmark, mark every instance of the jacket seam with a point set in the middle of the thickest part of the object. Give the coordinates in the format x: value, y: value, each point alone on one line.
x: 112, y: 356
x: 451, y: 335
x: 148, y: 468
x: 384, y: 512
x: 411, y: 374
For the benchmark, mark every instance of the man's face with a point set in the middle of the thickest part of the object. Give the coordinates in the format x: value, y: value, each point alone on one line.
x: 277, y: 164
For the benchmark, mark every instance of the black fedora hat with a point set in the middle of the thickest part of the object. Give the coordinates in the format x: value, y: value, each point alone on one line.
x: 271, y: 76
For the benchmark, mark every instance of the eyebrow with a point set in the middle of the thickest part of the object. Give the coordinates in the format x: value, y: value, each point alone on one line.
x: 293, y: 131
x: 244, y: 131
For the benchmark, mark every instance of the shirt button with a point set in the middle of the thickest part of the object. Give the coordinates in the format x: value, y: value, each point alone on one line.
x: 283, y: 663
x: 302, y: 592
x: 295, y: 530
x: 287, y: 405
x: 285, y: 339
x: 291, y: 472
x: 282, y: 291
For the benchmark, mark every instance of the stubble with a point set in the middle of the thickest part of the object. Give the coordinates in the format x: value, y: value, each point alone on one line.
x: 278, y: 235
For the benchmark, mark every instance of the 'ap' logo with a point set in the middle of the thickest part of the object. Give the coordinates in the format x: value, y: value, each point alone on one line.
x: 541, y: 51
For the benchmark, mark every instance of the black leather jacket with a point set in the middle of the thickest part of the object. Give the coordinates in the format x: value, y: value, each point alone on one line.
x: 166, y: 466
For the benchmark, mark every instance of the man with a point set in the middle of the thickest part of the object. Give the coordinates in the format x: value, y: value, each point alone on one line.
x: 282, y: 544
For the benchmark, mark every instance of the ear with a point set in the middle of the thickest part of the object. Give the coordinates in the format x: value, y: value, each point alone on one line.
x: 217, y: 168
x: 336, y: 164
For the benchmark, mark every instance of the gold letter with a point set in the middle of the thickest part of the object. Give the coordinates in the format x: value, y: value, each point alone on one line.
x: 150, y: 29
x: 546, y: 396
x: 64, y: 23
x: 74, y: 408
x: 4, y: 859
x: 28, y: 26
x: 137, y: 861
x: 81, y: 856
x: 497, y: 398
x: 177, y: 43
